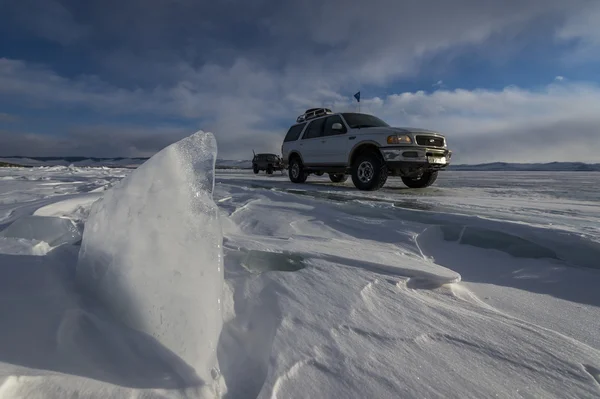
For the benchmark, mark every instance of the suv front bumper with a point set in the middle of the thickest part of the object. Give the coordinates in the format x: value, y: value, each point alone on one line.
x: 437, y: 157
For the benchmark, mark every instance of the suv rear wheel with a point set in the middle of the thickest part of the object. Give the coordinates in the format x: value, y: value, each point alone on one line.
x: 296, y: 171
x: 422, y: 181
x: 369, y: 172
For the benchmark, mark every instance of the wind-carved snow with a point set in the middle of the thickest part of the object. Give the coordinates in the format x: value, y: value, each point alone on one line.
x: 523, y: 242
x: 52, y: 230
x: 392, y: 293
x: 37, y: 235
x: 73, y: 208
x: 152, y: 252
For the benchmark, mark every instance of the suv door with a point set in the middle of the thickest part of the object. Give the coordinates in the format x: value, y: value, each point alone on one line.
x: 335, y: 146
x: 311, y: 144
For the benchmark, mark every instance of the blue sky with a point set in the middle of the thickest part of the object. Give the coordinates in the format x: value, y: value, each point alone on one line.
x: 128, y: 77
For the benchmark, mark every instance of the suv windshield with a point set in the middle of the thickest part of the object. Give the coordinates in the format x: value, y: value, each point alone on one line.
x: 357, y: 121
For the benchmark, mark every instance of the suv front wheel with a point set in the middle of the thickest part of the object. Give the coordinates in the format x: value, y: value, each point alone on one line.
x: 369, y: 172
x: 296, y: 171
x: 422, y: 181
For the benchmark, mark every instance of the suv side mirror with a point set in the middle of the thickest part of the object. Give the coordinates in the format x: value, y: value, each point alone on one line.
x: 337, y: 126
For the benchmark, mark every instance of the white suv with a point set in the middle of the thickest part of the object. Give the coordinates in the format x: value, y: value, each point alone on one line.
x: 363, y: 146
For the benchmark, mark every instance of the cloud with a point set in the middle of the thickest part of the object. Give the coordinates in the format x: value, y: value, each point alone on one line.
x: 334, y: 41
x: 4, y: 117
x: 555, y: 123
x: 581, y: 27
x: 238, y: 104
x: 204, y: 92
x: 559, y: 78
x: 393, y: 38
x: 93, y: 141
x: 244, y: 70
x: 47, y: 19
x: 558, y: 122
x: 40, y: 87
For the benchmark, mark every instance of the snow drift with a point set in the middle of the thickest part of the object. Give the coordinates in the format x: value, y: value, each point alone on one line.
x: 152, y: 252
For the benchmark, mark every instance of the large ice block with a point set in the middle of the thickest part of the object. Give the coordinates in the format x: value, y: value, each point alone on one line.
x: 152, y: 251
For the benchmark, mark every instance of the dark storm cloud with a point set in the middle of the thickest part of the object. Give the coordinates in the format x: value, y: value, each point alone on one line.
x: 47, y: 19
x: 331, y: 38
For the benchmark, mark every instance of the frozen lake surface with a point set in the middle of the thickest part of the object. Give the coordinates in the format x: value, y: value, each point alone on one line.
x: 484, y: 285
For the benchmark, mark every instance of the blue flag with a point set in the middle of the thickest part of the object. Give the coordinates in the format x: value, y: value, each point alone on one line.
x: 357, y: 96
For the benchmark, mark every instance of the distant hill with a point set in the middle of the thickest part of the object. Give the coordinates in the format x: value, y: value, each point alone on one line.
x: 106, y: 162
x: 233, y: 164
x: 8, y: 165
x: 75, y: 161
x: 247, y: 164
x: 531, y: 167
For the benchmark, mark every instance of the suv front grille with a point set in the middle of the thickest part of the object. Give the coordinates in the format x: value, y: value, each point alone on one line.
x: 430, y: 141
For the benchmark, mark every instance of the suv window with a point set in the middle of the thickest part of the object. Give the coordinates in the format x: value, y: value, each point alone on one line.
x: 356, y: 120
x: 329, y: 123
x: 294, y: 132
x: 314, y: 129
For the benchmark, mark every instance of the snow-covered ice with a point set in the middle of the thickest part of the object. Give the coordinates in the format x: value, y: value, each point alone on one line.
x: 484, y: 285
x: 410, y: 293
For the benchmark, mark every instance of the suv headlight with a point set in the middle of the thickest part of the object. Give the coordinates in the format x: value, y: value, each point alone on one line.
x: 396, y: 139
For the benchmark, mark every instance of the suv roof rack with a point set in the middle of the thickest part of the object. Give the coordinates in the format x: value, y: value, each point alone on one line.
x: 312, y: 113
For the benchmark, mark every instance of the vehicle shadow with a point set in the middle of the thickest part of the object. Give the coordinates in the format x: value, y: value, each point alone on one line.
x: 47, y: 325
x: 275, y: 182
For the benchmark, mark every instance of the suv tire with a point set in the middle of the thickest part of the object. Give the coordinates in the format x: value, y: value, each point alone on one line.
x: 369, y: 172
x: 296, y: 171
x: 270, y: 169
x: 255, y: 169
x: 338, y: 177
x: 425, y: 180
